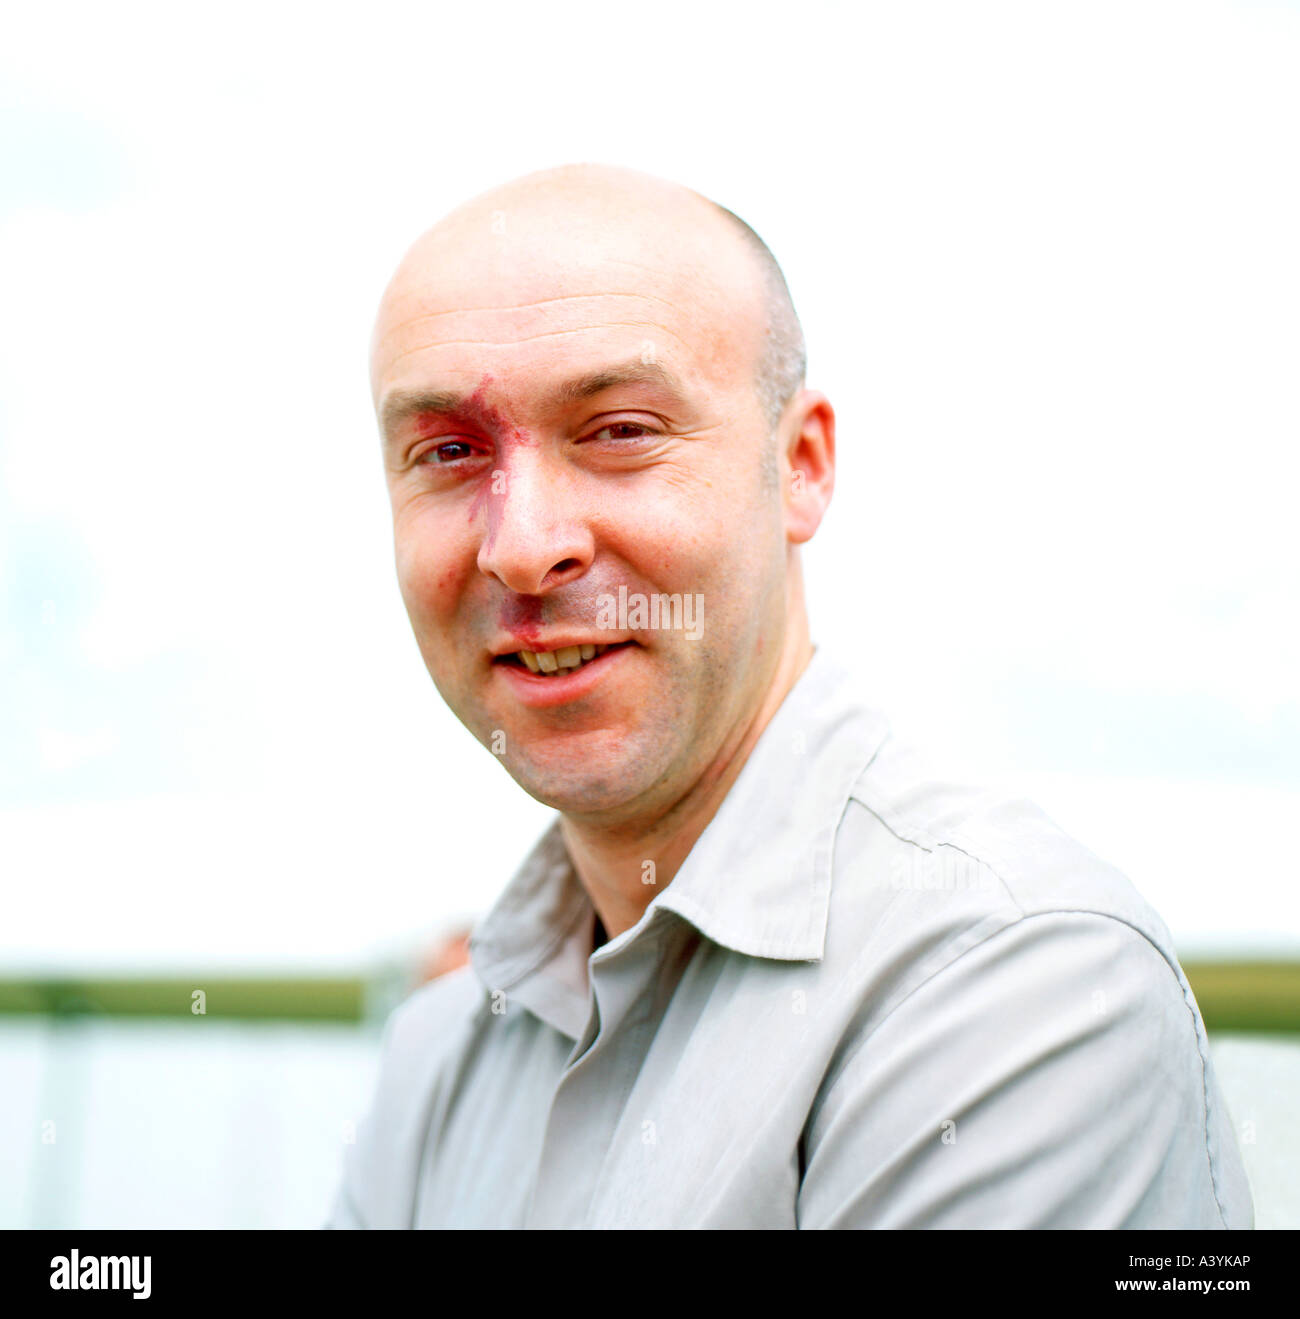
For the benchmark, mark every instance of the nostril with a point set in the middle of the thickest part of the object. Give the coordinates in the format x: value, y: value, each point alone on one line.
x: 564, y: 569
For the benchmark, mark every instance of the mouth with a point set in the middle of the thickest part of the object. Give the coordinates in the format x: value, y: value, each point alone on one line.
x: 558, y: 663
x: 547, y: 679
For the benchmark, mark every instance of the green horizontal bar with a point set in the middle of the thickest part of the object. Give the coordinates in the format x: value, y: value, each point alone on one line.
x: 1233, y: 996
x: 252, y: 998
x: 1247, y: 996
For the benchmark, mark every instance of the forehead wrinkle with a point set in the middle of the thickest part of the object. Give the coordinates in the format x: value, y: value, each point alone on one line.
x: 539, y: 302
x: 398, y: 327
x: 530, y: 338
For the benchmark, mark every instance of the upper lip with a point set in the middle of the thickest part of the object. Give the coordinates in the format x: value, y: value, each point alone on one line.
x: 512, y: 645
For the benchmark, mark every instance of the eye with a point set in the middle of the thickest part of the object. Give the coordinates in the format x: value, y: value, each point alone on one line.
x: 448, y: 452
x: 621, y: 430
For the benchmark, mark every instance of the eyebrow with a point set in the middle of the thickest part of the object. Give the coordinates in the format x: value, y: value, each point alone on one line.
x: 632, y: 372
x: 398, y: 406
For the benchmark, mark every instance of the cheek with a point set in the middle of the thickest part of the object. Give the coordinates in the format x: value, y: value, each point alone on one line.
x: 663, y: 535
x: 428, y: 572
x: 736, y: 561
x: 710, y: 549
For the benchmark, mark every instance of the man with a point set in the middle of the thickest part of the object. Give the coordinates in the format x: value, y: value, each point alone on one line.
x: 764, y: 970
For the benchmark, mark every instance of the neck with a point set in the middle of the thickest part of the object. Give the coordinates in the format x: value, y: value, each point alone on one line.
x: 622, y: 869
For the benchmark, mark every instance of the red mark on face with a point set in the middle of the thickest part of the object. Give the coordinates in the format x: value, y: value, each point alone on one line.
x: 490, y: 418
x: 521, y: 615
x: 476, y: 418
x: 494, y: 423
x: 480, y: 495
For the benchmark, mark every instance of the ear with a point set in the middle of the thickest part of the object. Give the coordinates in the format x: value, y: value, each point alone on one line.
x: 807, y: 463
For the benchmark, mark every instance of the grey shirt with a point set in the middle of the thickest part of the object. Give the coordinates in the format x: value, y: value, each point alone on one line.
x: 869, y: 998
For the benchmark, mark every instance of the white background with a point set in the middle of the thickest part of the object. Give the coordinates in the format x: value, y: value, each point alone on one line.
x: 1045, y: 255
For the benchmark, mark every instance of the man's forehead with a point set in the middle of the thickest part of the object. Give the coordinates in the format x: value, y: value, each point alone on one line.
x: 517, y: 290
x: 552, y: 351
x: 561, y: 275
x: 514, y: 309
x: 562, y: 323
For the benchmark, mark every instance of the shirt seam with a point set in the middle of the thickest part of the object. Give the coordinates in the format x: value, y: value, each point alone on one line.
x: 934, y: 843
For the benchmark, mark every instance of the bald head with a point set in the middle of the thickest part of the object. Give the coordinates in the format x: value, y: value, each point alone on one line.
x: 521, y: 236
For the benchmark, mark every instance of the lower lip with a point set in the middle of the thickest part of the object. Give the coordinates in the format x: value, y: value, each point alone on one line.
x: 541, y: 691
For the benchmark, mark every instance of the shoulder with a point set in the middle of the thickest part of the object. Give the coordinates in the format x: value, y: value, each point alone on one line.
x: 962, y: 855
x: 424, y: 1039
x: 1010, y: 981
x: 928, y: 871
x: 437, y: 1003
x: 430, y: 1022
x: 1055, y: 1073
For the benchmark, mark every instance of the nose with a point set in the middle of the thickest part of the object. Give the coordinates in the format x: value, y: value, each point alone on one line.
x: 535, y: 537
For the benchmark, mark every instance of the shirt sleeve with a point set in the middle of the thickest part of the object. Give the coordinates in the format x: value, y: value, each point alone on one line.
x: 1055, y: 1075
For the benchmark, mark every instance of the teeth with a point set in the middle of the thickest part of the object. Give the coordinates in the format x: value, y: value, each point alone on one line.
x: 566, y: 657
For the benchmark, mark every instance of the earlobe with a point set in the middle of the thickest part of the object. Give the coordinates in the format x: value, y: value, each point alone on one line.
x: 809, y: 468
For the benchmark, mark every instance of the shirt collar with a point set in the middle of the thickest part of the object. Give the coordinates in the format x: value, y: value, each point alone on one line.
x: 757, y: 880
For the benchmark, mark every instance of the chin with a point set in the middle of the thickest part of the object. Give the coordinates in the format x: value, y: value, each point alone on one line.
x: 580, y: 789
